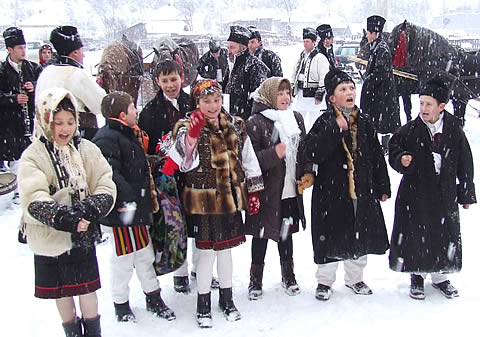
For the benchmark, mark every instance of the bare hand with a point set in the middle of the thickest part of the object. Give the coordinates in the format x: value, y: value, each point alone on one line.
x: 384, y: 197
x: 280, y: 150
x: 22, y: 99
x: 406, y: 160
x: 342, y: 123
x: 466, y: 206
x: 29, y: 86
x: 82, y: 225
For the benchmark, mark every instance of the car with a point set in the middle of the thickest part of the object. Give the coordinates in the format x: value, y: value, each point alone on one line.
x: 343, y: 63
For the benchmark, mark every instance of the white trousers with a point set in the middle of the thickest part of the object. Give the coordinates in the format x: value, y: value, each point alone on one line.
x: 436, y: 277
x: 183, y: 270
x: 206, y: 259
x: 327, y: 273
x: 122, y: 270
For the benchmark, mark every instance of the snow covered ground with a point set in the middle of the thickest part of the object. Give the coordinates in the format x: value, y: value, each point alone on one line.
x: 388, y: 312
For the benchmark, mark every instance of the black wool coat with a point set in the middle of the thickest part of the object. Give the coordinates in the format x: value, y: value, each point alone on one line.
x: 208, y: 65
x: 426, y: 229
x: 271, y: 60
x: 159, y: 116
x: 260, y: 129
x: 125, y: 154
x: 12, y: 119
x: 247, y: 74
x: 379, y: 95
x: 337, y: 232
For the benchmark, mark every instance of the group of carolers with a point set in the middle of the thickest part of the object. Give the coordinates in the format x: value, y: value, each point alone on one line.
x: 225, y: 164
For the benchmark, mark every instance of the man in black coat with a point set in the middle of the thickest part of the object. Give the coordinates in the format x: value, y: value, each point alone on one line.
x: 214, y: 63
x: 18, y: 78
x: 247, y: 74
x: 325, y: 43
x: 271, y: 60
x: 351, y: 180
x: 170, y: 104
x: 432, y: 153
x: 379, y: 99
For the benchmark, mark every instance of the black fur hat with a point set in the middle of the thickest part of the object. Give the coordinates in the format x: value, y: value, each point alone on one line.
x: 239, y: 34
x: 65, y: 39
x: 375, y: 23
x: 333, y: 78
x: 214, y: 45
x: 437, y: 89
x: 255, y: 33
x: 309, y: 33
x: 13, y: 37
x: 324, y: 31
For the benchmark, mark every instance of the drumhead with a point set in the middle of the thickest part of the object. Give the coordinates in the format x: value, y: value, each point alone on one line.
x: 8, y: 182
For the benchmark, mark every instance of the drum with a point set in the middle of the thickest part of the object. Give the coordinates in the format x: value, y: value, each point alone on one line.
x: 8, y: 182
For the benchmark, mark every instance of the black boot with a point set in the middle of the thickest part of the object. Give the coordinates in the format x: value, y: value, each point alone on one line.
x: 288, y: 278
x: 91, y: 327
x: 124, y: 313
x: 204, y: 310
x: 226, y: 304
x: 255, y: 286
x: 156, y: 305
x: 73, y: 329
x: 417, y: 290
x: 181, y: 284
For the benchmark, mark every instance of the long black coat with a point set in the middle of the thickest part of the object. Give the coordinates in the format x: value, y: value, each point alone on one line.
x: 337, y: 233
x: 125, y: 154
x: 12, y: 119
x: 379, y: 96
x: 271, y: 60
x: 208, y: 65
x: 159, y: 116
x: 426, y: 210
x: 247, y: 74
x: 260, y: 130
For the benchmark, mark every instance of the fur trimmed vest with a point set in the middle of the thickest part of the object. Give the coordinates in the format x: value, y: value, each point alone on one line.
x: 218, y: 185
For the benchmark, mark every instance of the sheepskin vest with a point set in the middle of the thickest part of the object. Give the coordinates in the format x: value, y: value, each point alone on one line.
x: 217, y: 185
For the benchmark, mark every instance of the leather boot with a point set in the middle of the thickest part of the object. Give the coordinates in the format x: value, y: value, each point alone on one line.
x: 226, y: 304
x: 255, y: 287
x: 288, y: 278
x: 156, y: 305
x: 204, y: 310
x: 91, y: 327
x: 73, y: 329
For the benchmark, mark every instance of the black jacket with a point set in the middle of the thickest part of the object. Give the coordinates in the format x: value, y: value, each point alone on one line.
x: 125, y: 154
x: 247, y: 74
x: 337, y: 232
x: 271, y: 60
x: 159, y: 116
x: 208, y: 65
x: 427, y: 221
x: 12, y: 119
x: 379, y: 95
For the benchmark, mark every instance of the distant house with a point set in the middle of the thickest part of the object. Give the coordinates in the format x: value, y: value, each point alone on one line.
x: 134, y: 33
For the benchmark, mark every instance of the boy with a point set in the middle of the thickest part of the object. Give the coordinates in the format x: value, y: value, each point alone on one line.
x: 132, y: 212
x: 352, y: 177
x: 431, y: 152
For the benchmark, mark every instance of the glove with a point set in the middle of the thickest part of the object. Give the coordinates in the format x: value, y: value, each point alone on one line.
x: 253, y: 203
x: 305, y: 182
x: 197, y: 121
x: 169, y: 167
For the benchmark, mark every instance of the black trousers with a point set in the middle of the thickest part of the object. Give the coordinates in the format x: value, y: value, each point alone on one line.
x: 259, y: 249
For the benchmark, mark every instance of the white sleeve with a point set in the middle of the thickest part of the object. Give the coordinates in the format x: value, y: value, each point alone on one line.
x: 182, y: 154
x: 88, y: 91
x: 251, y: 167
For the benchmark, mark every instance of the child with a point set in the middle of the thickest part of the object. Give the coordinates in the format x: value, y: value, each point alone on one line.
x: 276, y: 132
x: 132, y: 212
x: 352, y: 177
x: 219, y: 165
x: 58, y: 160
x: 431, y: 152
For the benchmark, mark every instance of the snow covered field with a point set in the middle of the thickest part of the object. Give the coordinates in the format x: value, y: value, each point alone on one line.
x: 388, y: 312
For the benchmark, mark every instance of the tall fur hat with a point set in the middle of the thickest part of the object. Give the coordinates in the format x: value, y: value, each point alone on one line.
x: 239, y: 34
x: 437, y: 89
x: 375, y: 23
x: 13, y: 37
x: 65, y: 39
x: 324, y: 31
x: 333, y: 78
x: 214, y: 45
x: 255, y: 33
x: 309, y: 33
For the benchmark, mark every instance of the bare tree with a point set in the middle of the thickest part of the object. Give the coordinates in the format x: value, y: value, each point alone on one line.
x: 289, y: 6
x: 19, y: 11
x: 108, y: 11
x: 187, y: 8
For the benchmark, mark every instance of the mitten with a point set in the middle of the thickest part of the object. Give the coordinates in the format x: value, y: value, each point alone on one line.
x: 169, y: 167
x: 253, y: 203
x: 197, y: 121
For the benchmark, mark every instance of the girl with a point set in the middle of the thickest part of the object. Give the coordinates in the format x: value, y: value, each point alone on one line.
x: 57, y: 161
x: 276, y: 132
x: 214, y: 152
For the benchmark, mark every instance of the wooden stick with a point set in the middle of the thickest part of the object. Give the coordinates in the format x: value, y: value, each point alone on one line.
x: 395, y: 71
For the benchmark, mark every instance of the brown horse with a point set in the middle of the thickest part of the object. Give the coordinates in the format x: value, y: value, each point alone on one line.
x: 121, y: 68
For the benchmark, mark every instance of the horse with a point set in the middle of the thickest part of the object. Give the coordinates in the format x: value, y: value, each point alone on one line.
x: 184, y: 51
x: 428, y: 55
x: 121, y: 68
